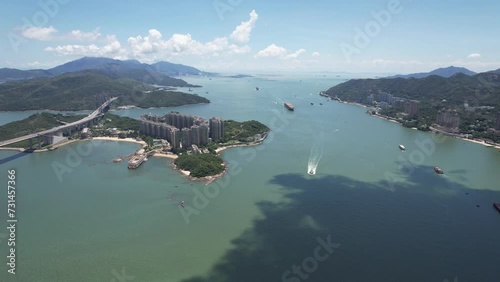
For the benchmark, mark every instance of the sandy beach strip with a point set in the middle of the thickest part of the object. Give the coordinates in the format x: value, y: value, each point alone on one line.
x: 131, y: 140
x: 479, y: 142
x: 163, y: 155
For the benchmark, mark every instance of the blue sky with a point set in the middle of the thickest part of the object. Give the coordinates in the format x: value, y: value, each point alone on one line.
x: 385, y: 36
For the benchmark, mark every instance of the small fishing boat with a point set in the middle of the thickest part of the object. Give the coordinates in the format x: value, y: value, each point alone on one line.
x: 438, y: 170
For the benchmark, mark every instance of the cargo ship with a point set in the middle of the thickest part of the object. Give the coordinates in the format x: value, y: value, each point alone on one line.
x: 136, y: 161
x: 497, y: 206
x: 289, y: 106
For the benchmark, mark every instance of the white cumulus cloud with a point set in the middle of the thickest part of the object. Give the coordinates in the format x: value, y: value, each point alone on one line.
x: 242, y: 32
x: 272, y: 51
x: 275, y: 51
x: 83, y: 36
x: 52, y: 34
x: 113, y: 48
x: 296, y: 54
x: 474, y: 56
x: 39, y: 33
x: 315, y: 54
x: 153, y: 46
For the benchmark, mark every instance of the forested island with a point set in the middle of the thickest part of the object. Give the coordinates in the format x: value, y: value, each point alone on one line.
x: 200, y: 165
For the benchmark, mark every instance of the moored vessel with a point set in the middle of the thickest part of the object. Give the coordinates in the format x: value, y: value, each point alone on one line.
x: 136, y: 161
x: 289, y: 106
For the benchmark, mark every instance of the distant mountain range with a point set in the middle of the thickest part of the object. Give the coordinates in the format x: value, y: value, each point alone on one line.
x: 158, y: 73
x: 443, y: 72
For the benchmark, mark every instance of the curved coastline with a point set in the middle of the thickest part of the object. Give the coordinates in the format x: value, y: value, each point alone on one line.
x: 480, y: 142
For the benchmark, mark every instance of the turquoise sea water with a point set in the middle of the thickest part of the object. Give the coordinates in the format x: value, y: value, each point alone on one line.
x: 393, y: 217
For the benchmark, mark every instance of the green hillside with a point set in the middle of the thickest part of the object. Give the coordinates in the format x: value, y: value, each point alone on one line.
x: 481, y: 92
x: 34, y: 123
x: 77, y: 91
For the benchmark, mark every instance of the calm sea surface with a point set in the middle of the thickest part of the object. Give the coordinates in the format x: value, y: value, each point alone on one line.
x: 386, y: 213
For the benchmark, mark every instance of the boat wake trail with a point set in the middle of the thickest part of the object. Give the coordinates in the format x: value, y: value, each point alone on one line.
x: 315, y: 157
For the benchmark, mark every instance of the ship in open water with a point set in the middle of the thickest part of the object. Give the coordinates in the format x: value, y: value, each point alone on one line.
x: 289, y: 106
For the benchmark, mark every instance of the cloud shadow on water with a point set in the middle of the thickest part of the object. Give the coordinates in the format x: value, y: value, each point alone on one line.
x: 427, y: 229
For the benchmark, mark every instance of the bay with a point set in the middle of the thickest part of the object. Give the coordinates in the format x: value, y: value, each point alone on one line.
x: 393, y: 217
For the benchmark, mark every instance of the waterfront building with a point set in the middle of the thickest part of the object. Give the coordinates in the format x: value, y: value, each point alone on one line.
x: 216, y: 129
x: 179, y: 129
x: 385, y: 97
x: 370, y: 99
x: 195, y: 135
x: 175, y: 138
x: 448, y: 118
x: 186, y: 137
x: 412, y: 107
x: 204, y: 134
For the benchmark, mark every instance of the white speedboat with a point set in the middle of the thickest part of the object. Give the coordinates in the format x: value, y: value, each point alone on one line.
x: 402, y: 148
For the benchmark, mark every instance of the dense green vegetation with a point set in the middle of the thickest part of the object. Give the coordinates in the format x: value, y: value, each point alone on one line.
x: 167, y: 99
x: 200, y: 165
x: 121, y: 123
x: 32, y: 124
x: 77, y: 91
x: 243, y: 131
x: 435, y: 93
x: 479, y: 90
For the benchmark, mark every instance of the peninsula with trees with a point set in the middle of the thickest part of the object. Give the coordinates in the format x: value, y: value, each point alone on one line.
x: 464, y: 105
x: 86, y: 84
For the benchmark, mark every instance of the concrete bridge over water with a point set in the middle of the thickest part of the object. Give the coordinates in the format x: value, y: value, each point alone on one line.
x: 50, y: 135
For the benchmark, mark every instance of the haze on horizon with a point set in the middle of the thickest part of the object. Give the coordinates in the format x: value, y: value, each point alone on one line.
x: 391, y: 36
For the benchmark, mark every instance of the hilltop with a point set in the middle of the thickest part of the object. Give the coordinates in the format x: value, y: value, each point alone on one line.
x: 443, y: 72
